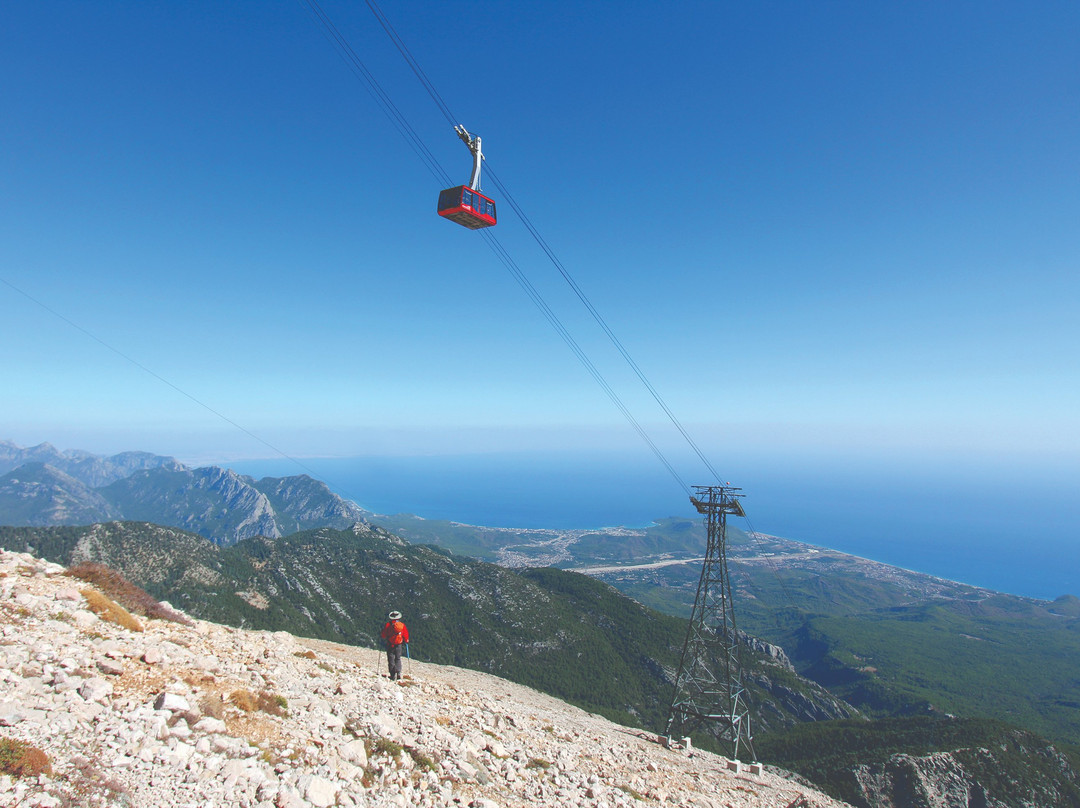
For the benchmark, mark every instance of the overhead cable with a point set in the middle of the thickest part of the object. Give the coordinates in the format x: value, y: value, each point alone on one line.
x: 432, y: 91
x: 553, y: 319
x: 530, y: 290
x: 157, y: 376
x: 358, y: 68
x: 600, y: 321
x: 386, y: 103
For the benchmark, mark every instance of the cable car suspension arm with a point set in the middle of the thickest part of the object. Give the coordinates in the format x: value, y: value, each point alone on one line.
x: 473, y: 142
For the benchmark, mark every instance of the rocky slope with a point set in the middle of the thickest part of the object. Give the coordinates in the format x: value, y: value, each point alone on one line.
x: 201, y: 715
x: 939, y: 779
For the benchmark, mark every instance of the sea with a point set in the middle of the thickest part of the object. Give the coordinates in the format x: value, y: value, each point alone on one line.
x: 1008, y: 528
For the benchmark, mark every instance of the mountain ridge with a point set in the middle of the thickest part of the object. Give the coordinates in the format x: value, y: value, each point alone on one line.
x: 41, y: 486
x: 90, y: 469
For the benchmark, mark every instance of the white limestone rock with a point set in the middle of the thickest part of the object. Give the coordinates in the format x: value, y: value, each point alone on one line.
x: 84, y: 619
x: 210, y: 725
x: 110, y: 667
x: 173, y: 702
x: 355, y: 752
x: 10, y: 714
x: 318, y: 791
x: 95, y: 690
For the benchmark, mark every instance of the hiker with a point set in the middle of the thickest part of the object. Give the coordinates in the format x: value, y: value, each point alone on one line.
x: 394, y: 634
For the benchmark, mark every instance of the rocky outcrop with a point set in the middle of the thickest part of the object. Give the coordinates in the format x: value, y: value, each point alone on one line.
x: 200, y: 714
x: 783, y: 703
x: 214, y: 502
x: 768, y: 650
x: 302, y: 503
x: 1017, y: 768
x: 930, y: 781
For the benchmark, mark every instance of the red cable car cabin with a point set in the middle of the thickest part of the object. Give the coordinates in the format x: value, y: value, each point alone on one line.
x: 467, y: 207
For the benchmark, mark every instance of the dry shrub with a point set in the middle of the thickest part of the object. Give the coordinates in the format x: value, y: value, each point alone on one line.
x: 109, y: 610
x: 422, y: 761
x: 384, y: 746
x: 266, y: 701
x: 245, y: 700
x: 120, y: 589
x: 369, y: 778
x: 88, y: 780
x: 273, y: 704
x: 22, y: 760
x: 305, y: 654
x: 212, y: 705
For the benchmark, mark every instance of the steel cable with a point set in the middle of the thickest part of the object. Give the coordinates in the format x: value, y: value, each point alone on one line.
x: 432, y: 91
x: 353, y: 60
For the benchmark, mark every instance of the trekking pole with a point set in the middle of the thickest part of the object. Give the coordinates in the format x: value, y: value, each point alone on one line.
x: 409, y: 657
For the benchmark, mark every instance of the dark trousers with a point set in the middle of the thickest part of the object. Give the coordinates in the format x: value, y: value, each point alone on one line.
x: 393, y: 659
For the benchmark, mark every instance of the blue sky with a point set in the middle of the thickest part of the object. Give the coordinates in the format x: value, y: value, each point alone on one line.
x: 823, y: 230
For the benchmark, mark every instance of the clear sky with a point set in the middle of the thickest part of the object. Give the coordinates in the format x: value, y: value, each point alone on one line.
x: 822, y: 229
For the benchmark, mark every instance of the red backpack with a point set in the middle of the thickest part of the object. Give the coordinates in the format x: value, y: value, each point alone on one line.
x: 393, y: 632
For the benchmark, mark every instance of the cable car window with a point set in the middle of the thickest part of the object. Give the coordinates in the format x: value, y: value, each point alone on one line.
x: 466, y: 198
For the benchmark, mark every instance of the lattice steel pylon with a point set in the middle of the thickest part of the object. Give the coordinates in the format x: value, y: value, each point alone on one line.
x: 709, y: 692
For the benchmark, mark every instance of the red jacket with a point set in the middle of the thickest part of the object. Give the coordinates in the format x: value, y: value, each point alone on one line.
x: 395, y: 633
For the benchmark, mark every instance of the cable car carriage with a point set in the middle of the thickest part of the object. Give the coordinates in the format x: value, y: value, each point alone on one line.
x: 465, y: 204
x: 467, y: 207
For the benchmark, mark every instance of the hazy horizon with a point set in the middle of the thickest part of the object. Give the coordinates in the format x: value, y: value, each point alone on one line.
x: 999, y: 528
x: 1008, y: 525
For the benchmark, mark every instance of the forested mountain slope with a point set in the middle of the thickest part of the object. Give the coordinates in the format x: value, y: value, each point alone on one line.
x: 561, y: 632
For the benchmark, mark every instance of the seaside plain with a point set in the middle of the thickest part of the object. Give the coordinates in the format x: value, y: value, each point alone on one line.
x: 1011, y: 530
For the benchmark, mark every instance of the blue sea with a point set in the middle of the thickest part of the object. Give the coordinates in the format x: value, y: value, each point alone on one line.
x: 1009, y: 529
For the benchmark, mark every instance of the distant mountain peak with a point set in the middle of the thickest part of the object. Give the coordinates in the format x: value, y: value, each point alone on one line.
x: 217, y: 503
x: 90, y: 469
